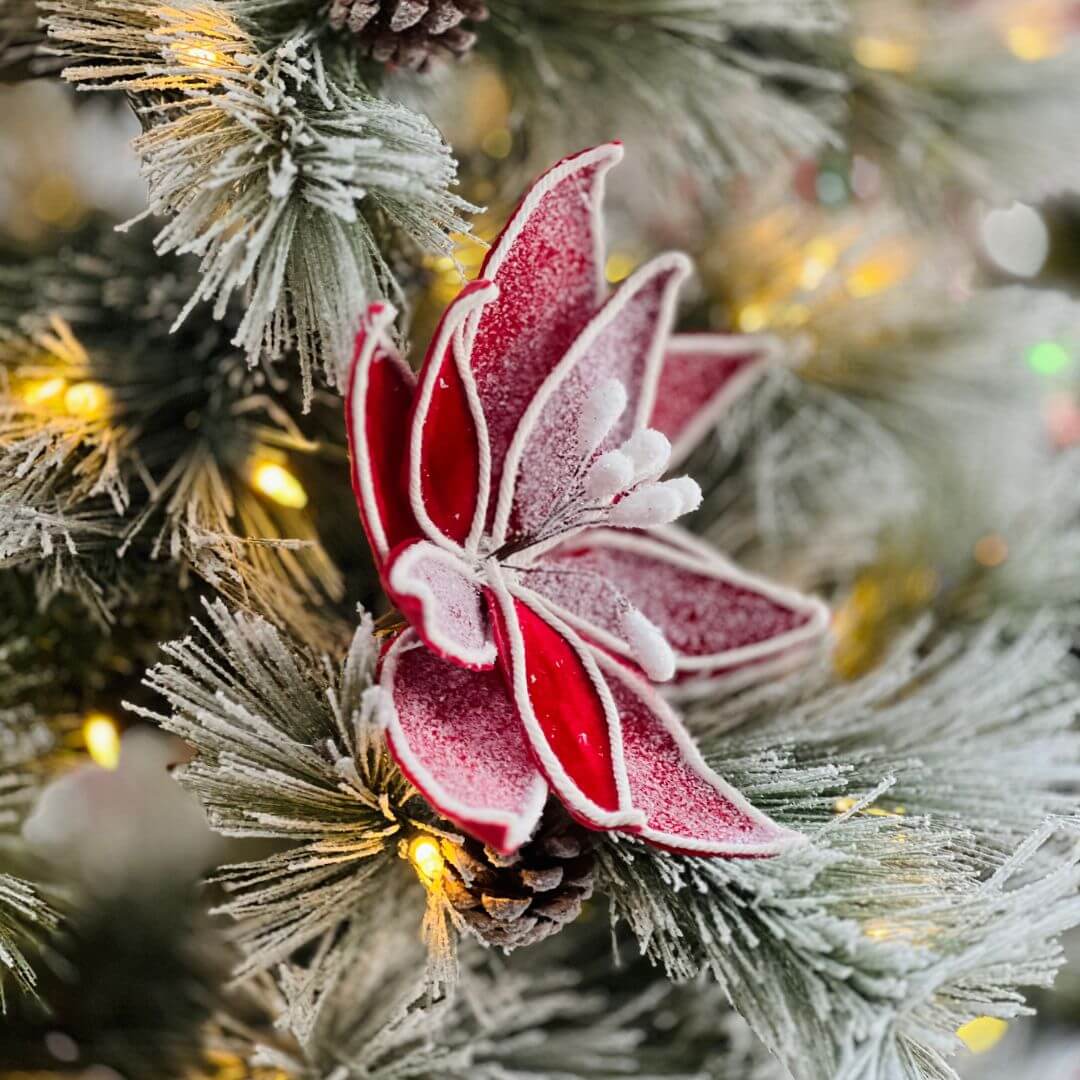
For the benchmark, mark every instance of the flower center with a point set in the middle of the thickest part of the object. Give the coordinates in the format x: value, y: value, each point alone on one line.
x: 619, y: 487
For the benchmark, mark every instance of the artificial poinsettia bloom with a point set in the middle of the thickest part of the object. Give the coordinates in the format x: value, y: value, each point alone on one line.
x: 522, y: 526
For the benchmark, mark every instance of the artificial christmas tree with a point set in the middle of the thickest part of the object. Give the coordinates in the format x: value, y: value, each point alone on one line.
x: 512, y: 774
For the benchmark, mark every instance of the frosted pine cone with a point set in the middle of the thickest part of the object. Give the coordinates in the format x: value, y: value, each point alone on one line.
x: 407, y: 33
x: 526, y: 897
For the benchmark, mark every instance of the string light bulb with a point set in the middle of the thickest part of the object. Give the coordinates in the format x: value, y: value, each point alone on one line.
x: 886, y: 54
x: 102, y: 740
x: 44, y: 391
x: 273, y: 480
x: 426, y: 858
x: 88, y: 400
x: 982, y: 1033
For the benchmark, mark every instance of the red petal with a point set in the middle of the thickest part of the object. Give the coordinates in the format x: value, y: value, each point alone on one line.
x: 440, y: 597
x: 688, y: 807
x: 567, y: 712
x: 548, y: 264
x: 714, y: 615
x: 702, y: 375
x: 376, y: 410
x: 456, y: 735
x: 625, y: 341
x: 448, y: 449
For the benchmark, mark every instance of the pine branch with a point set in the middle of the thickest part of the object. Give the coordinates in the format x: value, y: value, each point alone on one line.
x: 160, y: 460
x: 286, y: 748
x: 25, y: 914
x: 971, y: 114
x: 275, y: 170
x: 591, y: 70
x: 861, y: 957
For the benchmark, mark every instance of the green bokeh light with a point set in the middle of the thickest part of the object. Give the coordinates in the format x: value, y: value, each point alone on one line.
x: 1048, y: 358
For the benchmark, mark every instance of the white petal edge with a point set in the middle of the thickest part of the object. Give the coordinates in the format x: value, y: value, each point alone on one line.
x: 519, y: 827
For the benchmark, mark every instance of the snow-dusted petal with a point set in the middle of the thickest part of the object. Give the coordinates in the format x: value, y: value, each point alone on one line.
x: 624, y: 343
x: 548, y: 264
x: 377, y: 407
x: 702, y: 375
x: 688, y: 807
x: 565, y: 707
x: 439, y: 594
x: 456, y: 735
x: 713, y: 615
x: 449, y: 458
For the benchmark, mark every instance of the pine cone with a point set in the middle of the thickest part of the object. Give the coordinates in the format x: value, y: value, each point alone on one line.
x: 407, y: 33
x: 523, y: 898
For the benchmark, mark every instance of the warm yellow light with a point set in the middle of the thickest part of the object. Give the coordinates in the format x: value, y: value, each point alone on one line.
x: 43, y: 391
x: 619, y: 265
x: 277, y: 483
x: 991, y: 550
x: 982, y: 1033
x: 200, y: 56
x: 425, y: 855
x: 102, y: 740
x: 1034, y: 42
x: 86, y: 399
x: 879, y: 272
x: 885, y: 54
x: 820, y: 258
x: 751, y: 317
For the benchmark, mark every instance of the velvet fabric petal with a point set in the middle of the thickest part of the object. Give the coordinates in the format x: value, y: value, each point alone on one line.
x: 625, y: 341
x: 565, y: 707
x: 377, y: 405
x: 456, y: 735
x: 702, y: 375
x: 444, y: 603
x: 688, y: 808
x: 449, y: 457
x: 713, y: 615
x: 548, y: 264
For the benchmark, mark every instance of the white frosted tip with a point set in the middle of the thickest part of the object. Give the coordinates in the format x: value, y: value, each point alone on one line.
x: 688, y: 490
x: 653, y: 504
x: 649, y: 646
x: 602, y: 408
x: 611, y: 473
x: 650, y: 451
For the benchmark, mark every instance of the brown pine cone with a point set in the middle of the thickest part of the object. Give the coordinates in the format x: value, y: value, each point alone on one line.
x: 523, y: 898
x: 407, y: 33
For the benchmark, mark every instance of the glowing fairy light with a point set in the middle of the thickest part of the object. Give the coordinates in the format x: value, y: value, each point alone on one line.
x: 848, y: 802
x: 426, y: 858
x: 102, y: 740
x: 880, y: 272
x: 752, y: 317
x: 982, y: 1033
x: 619, y: 266
x: 88, y: 400
x: 44, y: 391
x: 200, y: 55
x: 885, y: 54
x: 277, y: 483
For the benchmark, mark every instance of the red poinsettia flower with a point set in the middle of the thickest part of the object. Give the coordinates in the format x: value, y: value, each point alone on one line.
x: 523, y: 529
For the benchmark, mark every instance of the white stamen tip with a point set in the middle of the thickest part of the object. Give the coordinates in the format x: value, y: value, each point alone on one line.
x: 604, y: 405
x: 649, y: 450
x: 653, y: 504
x: 611, y: 473
x: 649, y: 646
x: 688, y: 490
